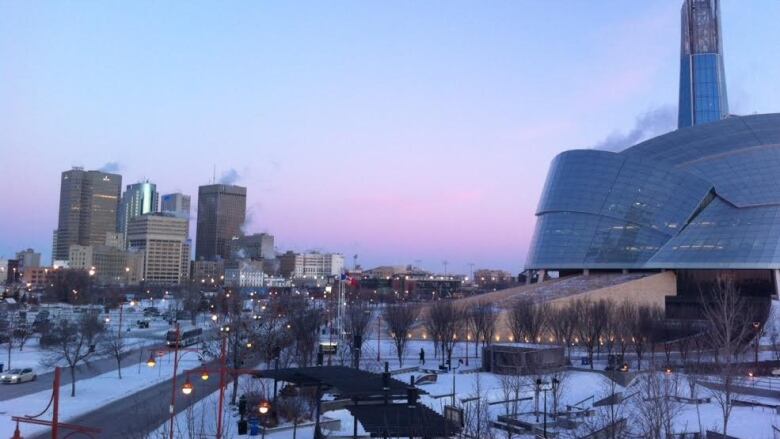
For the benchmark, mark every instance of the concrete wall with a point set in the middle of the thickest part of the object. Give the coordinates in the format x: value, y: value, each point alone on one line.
x: 649, y: 290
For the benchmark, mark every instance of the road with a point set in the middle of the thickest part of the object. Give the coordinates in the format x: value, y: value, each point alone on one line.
x: 83, y: 371
x: 139, y: 414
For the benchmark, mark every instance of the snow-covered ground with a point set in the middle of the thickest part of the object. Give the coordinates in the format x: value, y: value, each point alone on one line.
x: 90, y: 394
x: 578, y: 386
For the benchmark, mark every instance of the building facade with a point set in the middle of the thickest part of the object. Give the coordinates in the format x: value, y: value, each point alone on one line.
x: 110, y: 265
x: 162, y: 240
x: 256, y: 246
x: 211, y: 272
x: 28, y: 259
x: 221, y: 213
x: 178, y: 205
x: 89, y: 201
x: 310, y: 265
x: 138, y: 199
x: 703, y: 97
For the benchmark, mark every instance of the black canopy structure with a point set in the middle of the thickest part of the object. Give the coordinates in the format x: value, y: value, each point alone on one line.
x: 401, y: 420
x: 341, y: 381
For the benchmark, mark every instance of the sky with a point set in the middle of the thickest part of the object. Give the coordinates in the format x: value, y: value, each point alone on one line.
x: 400, y: 131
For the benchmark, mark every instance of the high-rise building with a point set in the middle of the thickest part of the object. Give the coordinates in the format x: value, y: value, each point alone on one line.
x: 703, y: 96
x: 138, y: 199
x: 28, y: 259
x: 109, y: 265
x: 177, y: 205
x: 256, y: 246
x: 163, y: 241
x: 88, y: 209
x: 221, y: 213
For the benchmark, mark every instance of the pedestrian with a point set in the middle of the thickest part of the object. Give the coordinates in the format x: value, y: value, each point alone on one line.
x: 422, y: 356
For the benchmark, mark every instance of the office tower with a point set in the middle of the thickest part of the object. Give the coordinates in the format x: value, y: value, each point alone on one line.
x: 703, y: 96
x: 256, y: 246
x: 108, y: 265
x: 163, y: 241
x: 88, y: 209
x: 138, y: 199
x: 28, y: 259
x: 177, y: 205
x: 312, y: 264
x: 221, y: 213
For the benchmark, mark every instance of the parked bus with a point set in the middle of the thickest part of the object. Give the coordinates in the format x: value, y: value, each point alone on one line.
x: 187, y: 336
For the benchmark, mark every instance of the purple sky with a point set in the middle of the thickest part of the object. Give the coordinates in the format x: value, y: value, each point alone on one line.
x: 400, y: 131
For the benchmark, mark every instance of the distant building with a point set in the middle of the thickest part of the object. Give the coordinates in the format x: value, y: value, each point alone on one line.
x: 178, y: 205
x: 493, y: 278
x: 28, y: 259
x: 248, y: 274
x: 311, y: 265
x: 221, y: 213
x: 163, y: 241
x: 89, y: 201
x: 109, y: 265
x: 138, y: 199
x: 256, y: 246
x: 13, y: 274
x: 36, y: 278
x: 116, y: 240
x: 703, y: 97
x: 211, y: 272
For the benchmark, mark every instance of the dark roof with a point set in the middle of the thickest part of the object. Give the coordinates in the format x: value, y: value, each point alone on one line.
x: 345, y: 382
x: 399, y: 420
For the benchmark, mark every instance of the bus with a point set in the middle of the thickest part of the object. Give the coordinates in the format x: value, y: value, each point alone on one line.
x: 187, y: 336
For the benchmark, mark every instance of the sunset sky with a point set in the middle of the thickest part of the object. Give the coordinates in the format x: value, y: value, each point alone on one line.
x: 398, y: 131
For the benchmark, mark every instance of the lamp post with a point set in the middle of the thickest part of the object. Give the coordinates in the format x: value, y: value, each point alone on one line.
x: 757, y: 328
x: 378, y: 336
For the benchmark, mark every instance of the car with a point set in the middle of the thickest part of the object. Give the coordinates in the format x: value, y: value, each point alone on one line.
x: 16, y: 376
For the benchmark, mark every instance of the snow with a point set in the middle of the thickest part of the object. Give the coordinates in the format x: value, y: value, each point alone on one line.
x: 90, y: 393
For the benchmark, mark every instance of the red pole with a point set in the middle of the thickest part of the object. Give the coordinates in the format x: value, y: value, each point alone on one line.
x: 172, y: 408
x: 221, y: 387
x: 56, y: 408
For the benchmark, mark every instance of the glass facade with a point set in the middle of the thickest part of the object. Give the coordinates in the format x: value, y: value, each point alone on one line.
x: 705, y: 197
x: 703, y: 96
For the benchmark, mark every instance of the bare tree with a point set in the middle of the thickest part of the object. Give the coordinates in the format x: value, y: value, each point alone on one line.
x: 356, y: 320
x: 610, y: 416
x: 14, y: 332
x: 482, y: 319
x: 729, y: 330
x: 72, y: 343
x: 655, y: 407
x: 399, y: 319
x: 563, y: 325
x: 476, y: 414
x: 528, y: 319
x: 590, y: 324
x: 304, y: 322
x: 112, y: 343
x: 445, y: 320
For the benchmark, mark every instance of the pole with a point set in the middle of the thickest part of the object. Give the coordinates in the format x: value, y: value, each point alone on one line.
x: 545, y: 414
x: 121, y: 308
x: 56, y: 409
x: 378, y: 336
x: 172, y: 408
x: 221, y: 387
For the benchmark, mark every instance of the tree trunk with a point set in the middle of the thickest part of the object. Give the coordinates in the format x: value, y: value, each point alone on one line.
x: 8, y: 366
x: 119, y: 365
x: 72, y: 380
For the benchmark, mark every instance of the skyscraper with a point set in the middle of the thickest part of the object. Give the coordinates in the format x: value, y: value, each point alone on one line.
x: 221, y: 213
x: 177, y: 205
x: 138, y: 199
x: 88, y: 209
x: 703, y: 96
x: 163, y: 241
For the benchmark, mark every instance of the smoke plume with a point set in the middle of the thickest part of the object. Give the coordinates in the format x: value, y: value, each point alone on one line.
x: 649, y: 124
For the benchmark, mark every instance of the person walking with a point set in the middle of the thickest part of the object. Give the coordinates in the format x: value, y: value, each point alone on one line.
x: 422, y: 356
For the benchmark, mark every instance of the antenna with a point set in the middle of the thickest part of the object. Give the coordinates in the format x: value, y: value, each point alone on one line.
x: 214, y: 175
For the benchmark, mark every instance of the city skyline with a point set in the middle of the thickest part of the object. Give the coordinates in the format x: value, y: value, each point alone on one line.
x: 441, y: 158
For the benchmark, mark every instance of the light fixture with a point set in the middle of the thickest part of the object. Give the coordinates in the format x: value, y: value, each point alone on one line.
x: 187, y: 387
x: 151, y: 362
x: 204, y: 375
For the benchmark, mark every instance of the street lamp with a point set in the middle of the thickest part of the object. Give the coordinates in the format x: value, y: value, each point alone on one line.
x: 151, y: 362
x: 204, y: 375
x: 187, y: 387
x: 264, y: 407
